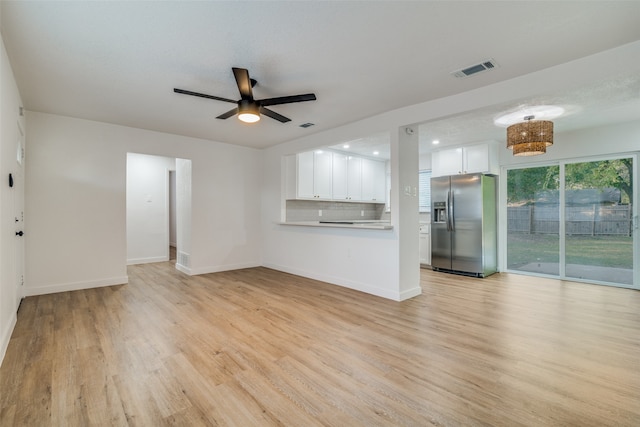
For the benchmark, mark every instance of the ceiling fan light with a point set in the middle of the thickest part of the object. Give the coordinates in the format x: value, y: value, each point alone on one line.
x: 248, y: 111
x: 249, y: 117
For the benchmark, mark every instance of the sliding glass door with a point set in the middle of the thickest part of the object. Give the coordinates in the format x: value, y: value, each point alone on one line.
x: 533, y: 239
x: 598, y: 221
x: 574, y: 220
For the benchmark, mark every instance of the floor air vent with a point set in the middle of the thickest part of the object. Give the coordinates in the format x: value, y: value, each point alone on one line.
x: 474, y: 69
x: 184, y: 259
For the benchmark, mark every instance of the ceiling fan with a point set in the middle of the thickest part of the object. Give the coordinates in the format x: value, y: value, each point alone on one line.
x: 249, y: 109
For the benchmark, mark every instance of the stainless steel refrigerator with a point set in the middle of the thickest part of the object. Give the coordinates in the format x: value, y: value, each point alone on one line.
x: 463, y: 224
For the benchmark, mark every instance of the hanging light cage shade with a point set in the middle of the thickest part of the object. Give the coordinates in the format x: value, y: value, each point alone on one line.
x: 530, y: 138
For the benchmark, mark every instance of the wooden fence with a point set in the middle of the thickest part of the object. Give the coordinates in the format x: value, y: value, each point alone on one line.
x: 593, y: 220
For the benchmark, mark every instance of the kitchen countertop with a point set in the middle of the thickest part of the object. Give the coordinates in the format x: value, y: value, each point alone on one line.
x: 361, y: 224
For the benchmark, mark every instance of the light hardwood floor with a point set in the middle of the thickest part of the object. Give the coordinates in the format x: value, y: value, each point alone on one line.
x: 257, y: 347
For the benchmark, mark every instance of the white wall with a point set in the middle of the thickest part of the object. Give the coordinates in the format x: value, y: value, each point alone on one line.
x: 10, y: 292
x: 76, y: 201
x: 148, y: 206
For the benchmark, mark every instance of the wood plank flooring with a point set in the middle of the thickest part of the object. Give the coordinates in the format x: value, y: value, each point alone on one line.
x: 257, y: 347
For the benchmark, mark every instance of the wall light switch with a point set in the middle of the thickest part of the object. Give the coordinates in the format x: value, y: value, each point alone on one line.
x: 319, y: 212
x: 361, y: 213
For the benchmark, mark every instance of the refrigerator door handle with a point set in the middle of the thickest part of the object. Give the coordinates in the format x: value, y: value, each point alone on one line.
x: 452, y: 224
x: 446, y: 211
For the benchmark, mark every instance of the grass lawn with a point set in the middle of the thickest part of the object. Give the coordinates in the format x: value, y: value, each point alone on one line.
x: 604, y: 251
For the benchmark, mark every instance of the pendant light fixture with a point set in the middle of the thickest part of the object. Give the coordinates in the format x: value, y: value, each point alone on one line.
x: 531, y: 137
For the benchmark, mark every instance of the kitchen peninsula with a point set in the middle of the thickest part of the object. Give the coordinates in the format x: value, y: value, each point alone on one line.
x: 367, y: 225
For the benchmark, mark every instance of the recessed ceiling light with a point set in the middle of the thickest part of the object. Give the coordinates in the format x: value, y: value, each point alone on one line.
x: 435, y: 142
x: 540, y: 112
x: 345, y: 146
x: 375, y: 153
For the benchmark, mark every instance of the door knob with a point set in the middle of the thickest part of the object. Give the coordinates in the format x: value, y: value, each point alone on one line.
x: 19, y: 233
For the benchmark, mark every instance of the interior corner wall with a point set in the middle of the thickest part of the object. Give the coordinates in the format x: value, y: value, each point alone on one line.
x: 10, y: 104
x: 76, y: 201
x: 148, y: 205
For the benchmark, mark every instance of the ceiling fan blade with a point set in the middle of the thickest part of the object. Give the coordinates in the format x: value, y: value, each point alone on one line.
x: 202, y: 95
x: 244, y: 82
x: 274, y: 115
x: 228, y: 114
x: 288, y: 99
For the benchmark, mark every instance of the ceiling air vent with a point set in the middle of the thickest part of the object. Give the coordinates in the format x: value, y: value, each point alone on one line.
x: 474, y: 69
x: 306, y: 125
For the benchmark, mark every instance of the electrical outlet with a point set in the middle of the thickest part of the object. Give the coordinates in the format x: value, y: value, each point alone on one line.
x: 319, y: 212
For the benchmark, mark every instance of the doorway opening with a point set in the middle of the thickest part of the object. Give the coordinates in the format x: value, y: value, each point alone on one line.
x: 158, y: 209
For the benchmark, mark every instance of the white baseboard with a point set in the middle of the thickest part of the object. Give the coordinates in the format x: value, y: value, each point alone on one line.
x: 147, y: 260
x: 410, y: 293
x: 75, y: 286
x: 185, y: 270
x: 351, y: 284
x: 6, y: 336
x: 226, y: 267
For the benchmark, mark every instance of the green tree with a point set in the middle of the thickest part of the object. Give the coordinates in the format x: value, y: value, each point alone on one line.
x: 616, y: 173
x: 523, y: 184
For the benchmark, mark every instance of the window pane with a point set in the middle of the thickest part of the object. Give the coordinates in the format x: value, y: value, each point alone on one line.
x: 598, y: 221
x: 424, y: 185
x: 533, y: 216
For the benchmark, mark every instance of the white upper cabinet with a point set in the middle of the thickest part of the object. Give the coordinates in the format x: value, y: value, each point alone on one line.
x: 323, y: 174
x: 335, y: 176
x: 373, y: 181
x: 313, y: 171
x: 354, y: 178
x: 304, y: 171
x: 481, y: 158
x: 347, y: 177
x: 340, y: 184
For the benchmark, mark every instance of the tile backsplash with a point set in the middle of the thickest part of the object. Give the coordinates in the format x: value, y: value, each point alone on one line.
x: 309, y: 210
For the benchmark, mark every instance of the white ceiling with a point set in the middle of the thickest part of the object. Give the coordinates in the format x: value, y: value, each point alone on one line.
x: 118, y: 62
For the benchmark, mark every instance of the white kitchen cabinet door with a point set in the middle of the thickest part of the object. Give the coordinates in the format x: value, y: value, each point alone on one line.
x: 425, y: 244
x: 373, y: 181
x: 354, y: 178
x: 475, y: 158
x: 323, y: 174
x: 340, y: 179
x: 304, y: 172
x: 447, y: 162
x: 380, y: 183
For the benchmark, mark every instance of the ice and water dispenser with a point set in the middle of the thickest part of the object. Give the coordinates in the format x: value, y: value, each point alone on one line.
x: 439, y: 212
